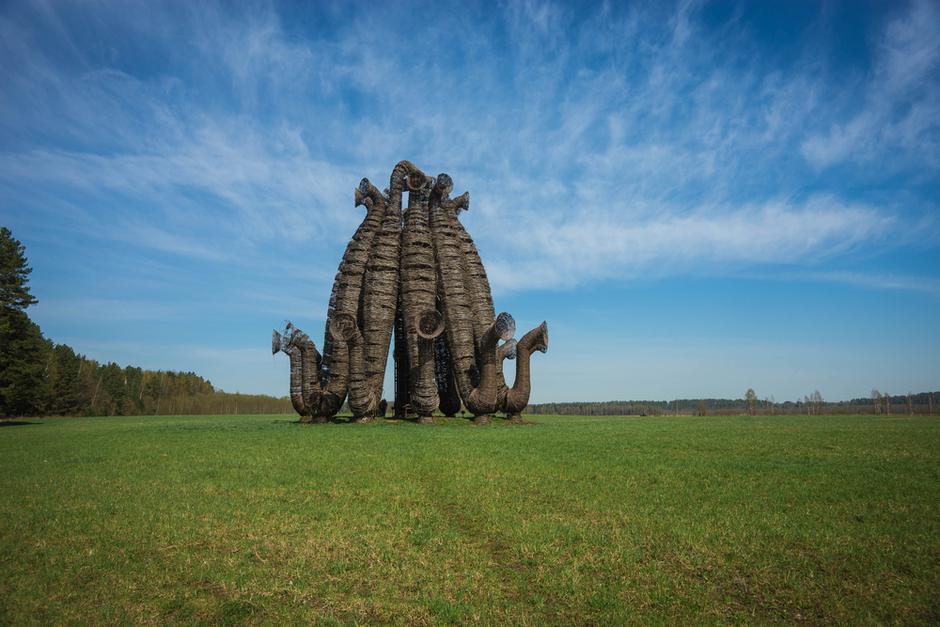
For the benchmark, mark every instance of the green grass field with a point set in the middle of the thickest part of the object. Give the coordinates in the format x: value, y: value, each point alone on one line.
x: 570, y: 520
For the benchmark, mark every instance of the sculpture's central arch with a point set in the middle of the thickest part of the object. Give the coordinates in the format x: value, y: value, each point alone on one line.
x: 416, y: 272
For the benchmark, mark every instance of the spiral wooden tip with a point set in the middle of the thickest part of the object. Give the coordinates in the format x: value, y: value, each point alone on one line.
x: 462, y: 202
x: 536, y: 339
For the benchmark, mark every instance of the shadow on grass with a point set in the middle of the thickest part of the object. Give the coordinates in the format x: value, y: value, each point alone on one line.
x: 18, y: 423
x: 439, y: 421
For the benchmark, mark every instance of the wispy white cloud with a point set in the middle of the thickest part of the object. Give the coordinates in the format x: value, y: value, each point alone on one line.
x: 900, y: 105
x: 880, y: 281
x: 608, y: 244
x: 664, y: 145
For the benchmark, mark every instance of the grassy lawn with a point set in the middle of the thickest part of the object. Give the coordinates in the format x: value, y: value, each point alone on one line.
x: 602, y: 520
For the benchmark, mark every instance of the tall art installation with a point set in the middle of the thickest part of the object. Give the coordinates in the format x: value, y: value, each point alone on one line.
x: 416, y: 272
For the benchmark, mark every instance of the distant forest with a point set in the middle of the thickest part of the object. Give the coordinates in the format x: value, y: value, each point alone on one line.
x: 39, y: 377
x: 73, y: 385
x: 922, y: 403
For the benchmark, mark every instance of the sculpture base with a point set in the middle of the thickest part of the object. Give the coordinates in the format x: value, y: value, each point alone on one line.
x: 481, y: 420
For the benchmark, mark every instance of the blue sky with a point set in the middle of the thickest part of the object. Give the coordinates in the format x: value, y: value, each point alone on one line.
x: 698, y: 197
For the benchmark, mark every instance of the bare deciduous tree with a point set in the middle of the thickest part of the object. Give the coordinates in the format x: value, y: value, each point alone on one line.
x: 750, y: 398
x: 817, y: 400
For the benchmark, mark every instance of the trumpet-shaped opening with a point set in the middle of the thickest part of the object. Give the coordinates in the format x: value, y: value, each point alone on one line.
x: 429, y: 324
x: 444, y: 184
x: 505, y: 326
x: 416, y: 180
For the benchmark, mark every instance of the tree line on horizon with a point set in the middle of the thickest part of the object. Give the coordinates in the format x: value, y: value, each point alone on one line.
x: 39, y: 377
x: 922, y: 403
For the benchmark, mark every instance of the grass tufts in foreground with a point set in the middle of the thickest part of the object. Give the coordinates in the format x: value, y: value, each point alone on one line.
x: 604, y: 520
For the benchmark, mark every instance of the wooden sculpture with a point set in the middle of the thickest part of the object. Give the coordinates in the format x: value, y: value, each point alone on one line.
x: 419, y: 273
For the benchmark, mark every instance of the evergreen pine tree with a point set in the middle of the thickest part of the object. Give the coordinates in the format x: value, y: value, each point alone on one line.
x: 24, y: 353
x: 14, y: 273
x: 65, y: 382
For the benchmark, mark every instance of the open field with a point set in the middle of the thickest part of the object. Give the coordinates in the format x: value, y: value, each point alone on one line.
x: 258, y: 519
